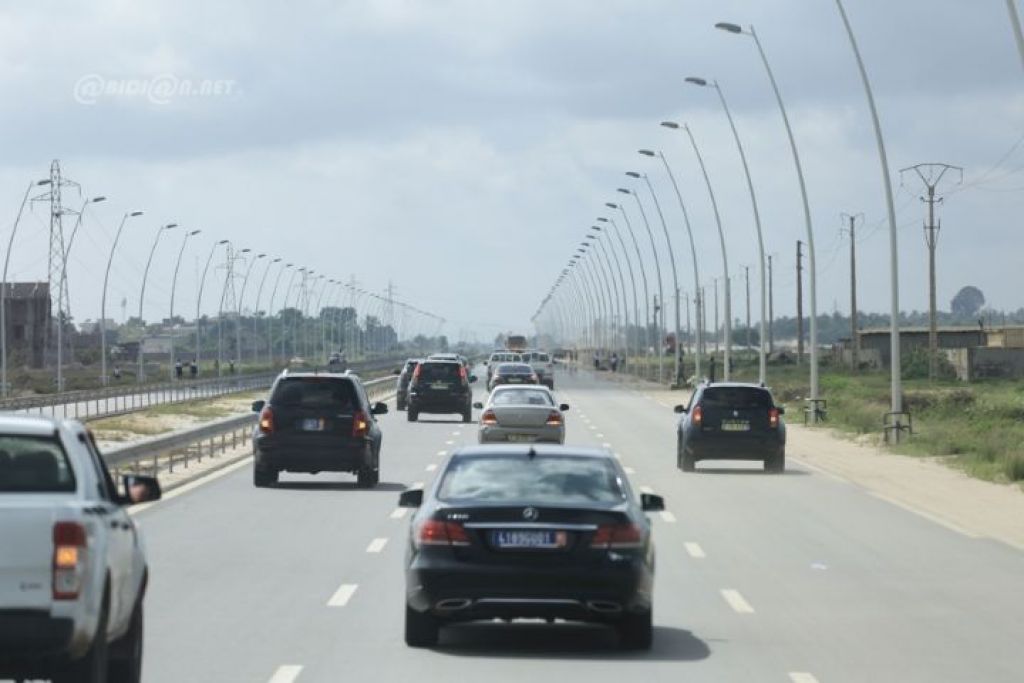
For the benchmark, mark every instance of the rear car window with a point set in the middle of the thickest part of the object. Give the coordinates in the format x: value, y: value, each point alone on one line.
x: 323, y: 393
x: 542, y: 357
x: 31, y: 464
x: 431, y: 372
x: 520, y: 397
x: 515, y: 369
x: 736, y: 397
x: 540, y: 480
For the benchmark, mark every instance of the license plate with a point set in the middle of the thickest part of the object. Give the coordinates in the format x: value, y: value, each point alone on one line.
x: 312, y: 424
x: 514, y: 380
x: 522, y: 438
x: 529, y: 540
x: 735, y: 426
x: 439, y: 385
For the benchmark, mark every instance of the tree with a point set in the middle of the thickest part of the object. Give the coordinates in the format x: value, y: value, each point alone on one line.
x: 967, y: 302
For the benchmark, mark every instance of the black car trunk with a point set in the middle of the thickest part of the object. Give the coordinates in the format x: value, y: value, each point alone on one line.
x: 735, y: 410
x: 314, y: 408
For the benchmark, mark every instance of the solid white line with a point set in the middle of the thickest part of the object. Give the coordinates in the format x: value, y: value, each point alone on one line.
x: 694, y: 550
x: 431, y: 467
x: 376, y: 545
x: 736, y: 601
x: 646, y: 489
x: 668, y: 516
x: 342, y: 595
x: 398, y: 513
x: 191, y: 486
x: 926, y: 515
x: 802, y: 677
x: 286, y: 674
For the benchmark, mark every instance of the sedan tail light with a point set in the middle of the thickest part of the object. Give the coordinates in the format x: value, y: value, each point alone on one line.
x: 617, y: 537
x: 489, y: 417
x: 267, y: 420
x: 360, y: 424
x: 69, y: 549
x: 436, y: 532
x: 773, y: 418
x: 697, y: 416
x: 554, y: 418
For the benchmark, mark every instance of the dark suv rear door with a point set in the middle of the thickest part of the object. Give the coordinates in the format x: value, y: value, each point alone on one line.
x: 735, y: 410
x: 315, y: 407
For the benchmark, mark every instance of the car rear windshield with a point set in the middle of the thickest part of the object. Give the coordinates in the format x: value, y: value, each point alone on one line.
x: 515, y: 369
x: 521, y: 397
x: 736, y: 397
x: 31, y: 464
x: 542, y: 357
x: 539, y: 480
x: 445, y: 372
x: 321, y: 393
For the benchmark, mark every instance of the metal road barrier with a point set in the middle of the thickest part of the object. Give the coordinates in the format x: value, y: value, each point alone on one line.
x: 216, y: 438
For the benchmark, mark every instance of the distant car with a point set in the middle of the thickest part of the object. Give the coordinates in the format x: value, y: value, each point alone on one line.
x: 337, y: 362
x: 317, y: 422
x: 499, y: 357
x: 543, y: 365
x: 444, y: 356
x: 73, y: 568
x: 440, y: 386
x: 521, y: 414
x: 530, y: 532
x: 402, y: 385
x: 512, y: 373
x: 731, y: 421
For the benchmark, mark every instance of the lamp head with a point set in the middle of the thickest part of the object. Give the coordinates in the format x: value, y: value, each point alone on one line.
x: 731, y: 28
x: 97, y: 200
x: 670, y: 124
x: 611, y: 205
x: 133, y: 214
x: 624, y: 190
x: 697, y: 81
x: 601, y: 219
x: 43, y: 182
x: 646, y: 152
x: 194, y: 232
x: 632, y: 174
x: 170, y: 226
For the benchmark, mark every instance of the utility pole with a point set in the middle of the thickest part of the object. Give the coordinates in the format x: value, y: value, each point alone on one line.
x: 771, y: 308
x: 854, y: 339
x: 702, y: 319
x: 716, y: 316
x: 930, y: 176
x: 746, y: 273
x: 799, y: 304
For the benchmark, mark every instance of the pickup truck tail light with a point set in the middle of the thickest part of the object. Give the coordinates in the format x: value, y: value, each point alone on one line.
x: 266, y: 420
x: 437, y: 532
x: 697, y: 416
x: 360, y: 424
x: 69, y: 550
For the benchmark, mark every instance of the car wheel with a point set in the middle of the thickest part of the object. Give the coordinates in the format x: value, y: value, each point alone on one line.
x: 399, y: 405
x: 776, y: 463
x: 126, y: 659
x: 467, y: 416
x: 92, y: 667
x: 636, y: 631
x: 262, y: 478
x: 689, y: 463
x: 367, y: 478
x: 421, y: 628
x: 412, y: 415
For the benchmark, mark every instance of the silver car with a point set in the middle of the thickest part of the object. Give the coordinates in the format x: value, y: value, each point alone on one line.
x: 521, y: 414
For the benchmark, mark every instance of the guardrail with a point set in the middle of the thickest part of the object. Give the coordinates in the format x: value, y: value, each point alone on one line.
x: 91, y: 404
x: 181, y: 448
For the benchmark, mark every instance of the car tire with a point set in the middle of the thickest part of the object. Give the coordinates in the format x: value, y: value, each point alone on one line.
x: 367, y: 477
x: 421, y: 628
x: 687, y: 462
x: 412, y: 415
x: 776, y: 464
x: 91, y: 667
x: 262, y: 478
x: 399, y: 405
x: 126, y: 651
x: 636, y: 631
x: 467, y: 416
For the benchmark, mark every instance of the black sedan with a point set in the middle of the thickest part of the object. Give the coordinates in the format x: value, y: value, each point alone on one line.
x: 528, y: 532
x: 513, y: 373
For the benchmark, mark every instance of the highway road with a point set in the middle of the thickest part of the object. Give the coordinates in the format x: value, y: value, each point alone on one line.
x: 801, y: 577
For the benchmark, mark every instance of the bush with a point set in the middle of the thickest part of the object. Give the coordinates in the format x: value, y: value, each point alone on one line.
x: 1013, y: 467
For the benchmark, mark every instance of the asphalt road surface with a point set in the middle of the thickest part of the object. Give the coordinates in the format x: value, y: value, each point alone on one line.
x: 800, y: 577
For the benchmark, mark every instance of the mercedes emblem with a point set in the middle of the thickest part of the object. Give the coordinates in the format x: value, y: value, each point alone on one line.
x: 531, y: 514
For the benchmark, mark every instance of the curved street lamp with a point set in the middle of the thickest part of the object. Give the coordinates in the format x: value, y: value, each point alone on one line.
x: 62, y: 314
x: 643, y: 277
x: 174, y: 283
x: 142, y: 296
x: 199, y: 301
x: 256, y: 311
x: 241, y: 299
x: 659, y: 307
x: 621, y: 282
x: 103, y: 299
x: 270, y: 314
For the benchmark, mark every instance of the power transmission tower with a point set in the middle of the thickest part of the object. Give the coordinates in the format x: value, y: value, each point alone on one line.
x: 799, y: 303
x: 931, y: 175
x: 854, y: 339
x: 771, y: 308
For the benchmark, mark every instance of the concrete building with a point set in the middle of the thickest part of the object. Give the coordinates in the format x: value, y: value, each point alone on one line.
x: 28, y: 320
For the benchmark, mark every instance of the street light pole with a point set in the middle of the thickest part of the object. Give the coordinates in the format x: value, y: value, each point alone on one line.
x: 103, y: 299
x: 174, y: 283
x: 62, y: 296
x: 643, y: 277
x: 199, y: 301
x: 657, y: 267
x: 142, y: 298
x: 632, y: 281
x: 611, y: 290
x: 241, y: 299
x: 284, y: 307
x: 256, y: 311
x: 3, y: 289
x: 270, y: 314
x: 621, y: 282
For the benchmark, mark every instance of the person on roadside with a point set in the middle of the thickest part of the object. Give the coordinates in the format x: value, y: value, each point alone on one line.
x: 178, y: 369
x: 193, y: 369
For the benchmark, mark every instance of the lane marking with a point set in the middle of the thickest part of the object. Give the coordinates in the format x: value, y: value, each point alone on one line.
x: 607, y: 445
x: 286, y: 674
x: 600, y: 436
x: 668, y: 516
x: 417, y: 485
x: 191, y: 486
x: 456, y: 433
x: 694, y: 550
x: 736, y: 601
x: 377, y: 545
x: 926, y: 515
x: 449, y: 442
x: 398, y: 513
x: 629, y: 470
x: 646, y: 489
x: 342, y: 595
x: 802, y: 677
x: 442, y: 453
x: 431, y: 467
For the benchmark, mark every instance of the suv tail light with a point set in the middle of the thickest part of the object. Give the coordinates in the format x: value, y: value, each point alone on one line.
x: 697, y: 416
x: 554, y: 418
x: 416, y: 372
x: 534, y: 378
x: 267, y: 420
x: 617, y: 536
x: 462, y: 372
x: 773, y: 418
x: 489, y: 417
x: 360, y: 424
x: 436, y: 532
x: 69, y: 548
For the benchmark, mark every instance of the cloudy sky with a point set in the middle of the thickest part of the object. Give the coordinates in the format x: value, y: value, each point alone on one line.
x: 460, y: 149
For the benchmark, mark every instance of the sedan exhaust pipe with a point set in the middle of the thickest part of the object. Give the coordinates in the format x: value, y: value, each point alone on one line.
x: 604, y: 606
x: 453, y: 604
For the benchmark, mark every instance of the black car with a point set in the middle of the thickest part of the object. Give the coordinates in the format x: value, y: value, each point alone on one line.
x: 513, y: 373
x: 404, y: 378
x: 527, y: 532
x: 317, y: 422
x: 731, y: 421
x: 440, y: 386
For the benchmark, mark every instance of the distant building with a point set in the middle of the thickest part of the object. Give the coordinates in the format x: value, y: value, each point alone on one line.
x: 27, y: 320
x: 974, y: 352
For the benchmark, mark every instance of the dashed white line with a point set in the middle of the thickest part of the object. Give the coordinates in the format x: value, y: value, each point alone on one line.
x: 600, y: 436
x: 376, y: 545
x: 398, y: 513
x: 286, y: 674
x: 342, y: 595
x: 629, y: 470
x: 667, y: 516
x: 431, y: 467
x: 442, y: 453
x: 416, y: 485
x: 694, y: 550
x: 449, y: 442
x: 737, y: 601
x: 607, y: 445
x: 456, y: 433
x: 802, y: 677
x: 646, y: 489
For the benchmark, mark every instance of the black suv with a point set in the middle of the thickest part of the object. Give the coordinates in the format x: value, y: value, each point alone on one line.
x: 731, y: 421
x: 317, y: 422
x: 440, y: 386
x: 402, y: 386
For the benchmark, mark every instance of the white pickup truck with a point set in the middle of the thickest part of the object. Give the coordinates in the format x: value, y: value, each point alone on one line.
x: 72, y: 565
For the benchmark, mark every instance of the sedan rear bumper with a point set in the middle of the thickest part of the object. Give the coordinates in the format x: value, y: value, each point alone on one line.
x: 546, y: 434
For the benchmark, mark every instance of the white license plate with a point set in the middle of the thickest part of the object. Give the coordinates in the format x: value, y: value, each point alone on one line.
x: 522, y: 438
x: 439, y: 385
x: 735, y: 426
x: 530, y: 540
x: 515, y: 380
x: 312, y: 424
